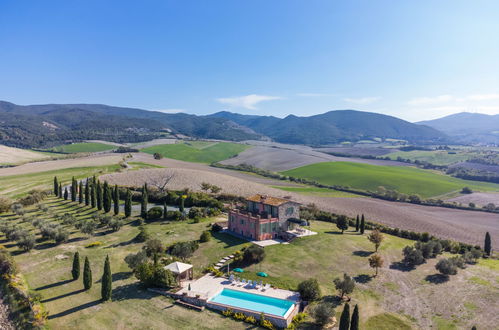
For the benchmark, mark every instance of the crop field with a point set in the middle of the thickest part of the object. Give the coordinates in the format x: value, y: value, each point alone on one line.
x: 406, y: 180
x: 47, y: 269
x: 442, y: 222
x: 436, y: 157
x: 277, y: 158
x: 84, y: 147
x: 9, y: 155
x: 198, y: 151
x: 405, y: 298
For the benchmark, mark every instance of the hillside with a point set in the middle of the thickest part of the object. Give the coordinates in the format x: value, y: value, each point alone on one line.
x: 335, y: 126
x: 51, y: 124
x: 468, y: 127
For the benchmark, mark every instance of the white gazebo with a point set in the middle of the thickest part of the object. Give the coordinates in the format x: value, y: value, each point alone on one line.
x: 182, y: 271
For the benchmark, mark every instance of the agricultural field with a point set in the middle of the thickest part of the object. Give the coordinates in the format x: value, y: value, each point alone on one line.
x: 11, y: 156
x: 406, y: 180
x: 198, y: 151
x: 84, y: 147
x: 435, y: 157
x: 403, y: 297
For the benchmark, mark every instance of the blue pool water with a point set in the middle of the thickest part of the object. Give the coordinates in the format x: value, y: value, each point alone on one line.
x: 254, y: 302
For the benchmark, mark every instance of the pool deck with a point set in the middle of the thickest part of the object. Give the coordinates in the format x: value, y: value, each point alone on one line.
x: 208, y: 286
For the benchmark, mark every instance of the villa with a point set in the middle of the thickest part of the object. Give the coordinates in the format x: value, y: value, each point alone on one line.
x: 265, y: 218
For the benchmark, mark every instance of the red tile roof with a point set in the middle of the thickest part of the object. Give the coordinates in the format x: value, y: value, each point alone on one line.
x: 269, y: 200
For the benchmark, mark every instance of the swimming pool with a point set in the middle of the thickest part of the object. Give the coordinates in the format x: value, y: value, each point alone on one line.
x: 253, y: 302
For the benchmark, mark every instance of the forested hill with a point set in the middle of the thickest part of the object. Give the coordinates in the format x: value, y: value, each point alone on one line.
x: 45, y: 125
x: 335, y: 126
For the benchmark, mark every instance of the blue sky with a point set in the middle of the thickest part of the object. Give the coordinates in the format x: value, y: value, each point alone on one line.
x: 412, y: 59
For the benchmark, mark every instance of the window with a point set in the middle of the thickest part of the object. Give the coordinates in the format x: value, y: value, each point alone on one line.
x: 242, y: 221
x: 290, y: 210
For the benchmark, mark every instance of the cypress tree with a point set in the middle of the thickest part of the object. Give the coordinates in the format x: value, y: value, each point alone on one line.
x: 98, y: 192
x: 487, y: 247
x: 87, y: 193
x: 80, y: 193
x: 107, y: 281
x: 362, y: 224
x: 143, y: 202
x: 74, y: 189
x: 66, y: 193
x: 181, y: 206
x: 56, y: 186
x: 128, y: 203
x: 165, y: 211
x: 87, y: 275
x: 106, y: 197
x: 76, y: 266
x: 357, y: 223
x: 345, y: 318
x: 93, y: 196
x: 116, y: 200
x: 354, y: 325
x: 60, y: 190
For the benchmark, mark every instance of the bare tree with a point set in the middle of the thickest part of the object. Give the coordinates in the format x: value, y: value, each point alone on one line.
x: 160, y: 182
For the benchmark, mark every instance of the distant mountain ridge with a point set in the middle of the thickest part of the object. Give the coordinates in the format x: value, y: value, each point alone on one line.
x: 468, y: 127
x: 335, y: 126
x: 49, y: 124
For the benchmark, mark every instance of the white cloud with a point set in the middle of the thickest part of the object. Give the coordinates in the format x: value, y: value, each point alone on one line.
x: 170, y: 110
x: 312, y: 94
x: 247, y: 101
x: 363, y: 100
x: 480, y: 97
x: 430, y: 100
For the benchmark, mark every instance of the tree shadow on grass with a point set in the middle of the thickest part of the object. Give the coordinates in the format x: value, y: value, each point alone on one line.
x: 363, y: 278
x: 45, y: 246
x: 132, y: 291
x: 76, y: 239
x: 398, y: 265
x: 52, y: 285
x: 333, y: 299
x: 228, y: 239
x: 75, y: 309
x: 117, y: 276
x: 362, y: 253
x: 125, y: 243
x: 63, y: 296
x: 437, y: 278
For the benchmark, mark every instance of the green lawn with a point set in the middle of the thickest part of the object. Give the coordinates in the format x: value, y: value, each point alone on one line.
x: 83, y: 147
x: 436, y: 157
x: 198, y: 151
x: 315, y: 191
x: 16, y: 186
x: 404, y: 179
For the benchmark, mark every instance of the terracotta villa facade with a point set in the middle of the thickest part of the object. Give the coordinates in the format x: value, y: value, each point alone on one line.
x: 265, y: 218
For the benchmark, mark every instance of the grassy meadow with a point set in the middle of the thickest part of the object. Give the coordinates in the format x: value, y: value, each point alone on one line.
x: 83, y: 147
x: 198, y: 151
x: 403, y: 179
x: 436, y: 157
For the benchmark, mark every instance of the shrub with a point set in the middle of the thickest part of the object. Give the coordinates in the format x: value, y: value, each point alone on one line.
x: 250, y: 319
x: 154, y: 275
x: 239, y: 316
x: 135, y: 259
x: 157, y: 155
x: 216, y: 228
x: 412, y: 256
x: 466, y: 190
x: 115, y: 224
x: 26, y: 242
x: 253, y: 254
x: 196, y: 212
x: 309, y: 289
x: 205, y: 236
x: 5, y: 204
x: 143, y: 235
x: 94, y: 244
x: 323, y: 312
x: 446, y: 267
x: 155, y: 213
x: 175, y: 215
x: 183, y: 249
x: 153, y: 247
x: 228, y: 312
x: 345, y: 285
